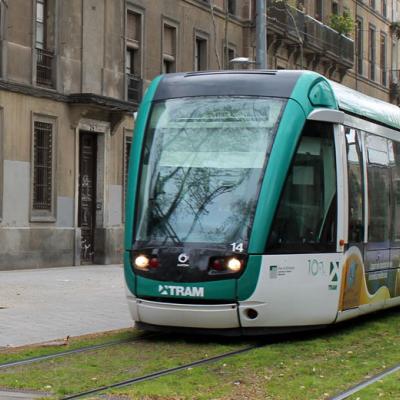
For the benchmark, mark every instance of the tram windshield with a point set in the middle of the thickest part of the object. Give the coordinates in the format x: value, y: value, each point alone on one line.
x: 202, y: 166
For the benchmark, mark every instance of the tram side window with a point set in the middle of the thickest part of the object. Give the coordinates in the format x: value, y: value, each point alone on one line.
x: 378, y: 174
x: 306, y: 217
x: 355, y: 182
x: 396, y: 192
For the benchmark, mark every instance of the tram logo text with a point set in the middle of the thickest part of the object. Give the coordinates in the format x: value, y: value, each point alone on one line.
x: 181, y: 291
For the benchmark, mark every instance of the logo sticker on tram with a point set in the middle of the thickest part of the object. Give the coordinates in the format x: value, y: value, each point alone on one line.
x: 169, y: 290
x: 183, y: 260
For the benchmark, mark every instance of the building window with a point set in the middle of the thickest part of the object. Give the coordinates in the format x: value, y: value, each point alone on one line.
x: 232, y: 7
x: 133, y: 56
x: 335, y: 8
x: 44, y: 61
x: 134, y: 42
x: 41, y: 12
x: 371, y: 52
x: 384, y: 8
x: 43, y: 159
x: 372, y: 3
x: 318, y: 10
x: 169, y: 49
x: 383, y: 59
x: 359, y: 44
x: 229, y: 54
x: 200, y: 54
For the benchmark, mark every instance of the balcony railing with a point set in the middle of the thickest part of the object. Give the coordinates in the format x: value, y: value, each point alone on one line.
x: 44, y: 67
x: 323, y: 39
x: 286, y: 19
x: 295, y: 27
x: 134, y: 85
x: 314, y: 33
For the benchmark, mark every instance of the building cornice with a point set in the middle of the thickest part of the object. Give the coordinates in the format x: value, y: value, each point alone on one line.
x: 88, y: 99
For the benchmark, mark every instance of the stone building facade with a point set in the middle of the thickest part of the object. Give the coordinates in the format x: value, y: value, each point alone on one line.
x: 72, y: 73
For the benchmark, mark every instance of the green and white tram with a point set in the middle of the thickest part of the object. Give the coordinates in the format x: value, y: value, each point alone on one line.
x: 261, y: 201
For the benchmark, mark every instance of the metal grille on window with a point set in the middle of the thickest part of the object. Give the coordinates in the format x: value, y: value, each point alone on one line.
x: 42, y: 166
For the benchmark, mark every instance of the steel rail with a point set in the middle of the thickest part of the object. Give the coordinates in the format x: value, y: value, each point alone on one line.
x: 32, y: 360
x: 160, y: 373
x: 359, y: 386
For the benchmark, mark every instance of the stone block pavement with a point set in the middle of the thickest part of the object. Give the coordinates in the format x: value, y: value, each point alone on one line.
x: 42, y: 305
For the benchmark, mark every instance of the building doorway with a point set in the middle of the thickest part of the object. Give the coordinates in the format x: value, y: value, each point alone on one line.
x: 87, y: 194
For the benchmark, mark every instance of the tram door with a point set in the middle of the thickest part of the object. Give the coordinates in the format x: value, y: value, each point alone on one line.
x: 354, y: 270
x: 368, y: 164
x: 87, y: 194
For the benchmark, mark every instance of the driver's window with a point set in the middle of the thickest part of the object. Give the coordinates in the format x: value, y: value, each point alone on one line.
x: 306, y: 217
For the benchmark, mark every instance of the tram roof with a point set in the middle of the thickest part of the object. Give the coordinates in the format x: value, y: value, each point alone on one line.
x: 280, y: 83
x: 368, y: 107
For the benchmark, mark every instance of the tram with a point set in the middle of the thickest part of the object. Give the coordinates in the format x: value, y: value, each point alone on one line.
x: 261, y: 202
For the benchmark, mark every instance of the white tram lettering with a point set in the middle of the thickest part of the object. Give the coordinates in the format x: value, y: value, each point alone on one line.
x: 170, y: 290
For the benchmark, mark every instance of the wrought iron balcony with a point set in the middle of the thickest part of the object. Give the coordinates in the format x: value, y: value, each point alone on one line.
x: 323, y: 39
x: 286, y: 20
x: 291, y: 27
x: 44, y: 67
x: 134, y: 88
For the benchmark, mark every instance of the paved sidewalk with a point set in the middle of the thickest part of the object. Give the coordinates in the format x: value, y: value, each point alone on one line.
x: 47, y: 304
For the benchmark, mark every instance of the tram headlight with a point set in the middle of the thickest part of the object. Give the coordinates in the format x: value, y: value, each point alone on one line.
x: 234, y: 264
x: 225, y: 265
x: 142, y: 262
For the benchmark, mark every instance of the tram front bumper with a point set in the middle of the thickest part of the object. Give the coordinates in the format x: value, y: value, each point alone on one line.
x: 218, y: 316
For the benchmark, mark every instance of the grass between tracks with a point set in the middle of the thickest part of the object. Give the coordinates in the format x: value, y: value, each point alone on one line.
x: 387, y: 388
x: 295, y: 367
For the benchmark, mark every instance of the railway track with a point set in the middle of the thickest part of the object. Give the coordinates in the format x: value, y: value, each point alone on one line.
x: 131, y: 381
x: 84, y: 349
x: 359, y: 386
x: 160, y: 373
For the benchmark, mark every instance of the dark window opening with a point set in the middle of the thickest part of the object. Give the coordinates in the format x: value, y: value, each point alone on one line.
x: 372, y: 52
x: 306, y: 217
x: 200, y: 55
x: 42, y: 166
x: 232, y: 7
x: 318, y: 10
x: 229, y: 54
x: 335, y: 8
x: 134, y: 81
x: 359, y: 43
x: 168, y: 66
x: 383, y: 60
